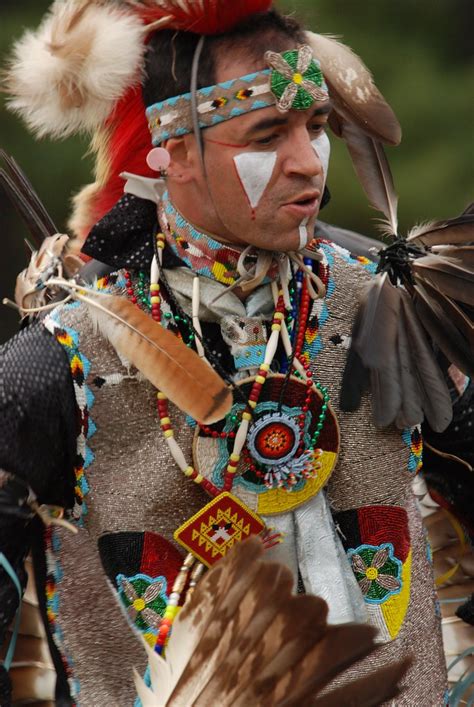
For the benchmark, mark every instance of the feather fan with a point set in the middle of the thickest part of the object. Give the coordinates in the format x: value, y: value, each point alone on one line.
x: 245, y: 639
x: 161, y: 357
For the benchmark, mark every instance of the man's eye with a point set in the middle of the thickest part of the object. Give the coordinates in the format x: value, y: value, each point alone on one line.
x: 268, y: 140
x: 318, y: 128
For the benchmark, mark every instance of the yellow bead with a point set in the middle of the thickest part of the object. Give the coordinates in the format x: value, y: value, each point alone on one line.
x: 198, y: 479
x: 246, y: 416
x: 161, y: 244
x: 265, y: 366
x: 260, y: 379
x: 278, y: 315
x: 169, y: 433
x: 165, y: 421
x: 161, y: 396
x: 155, y: 299
x: 297, y: 78
x: 139, y: 604
x: 276, y: 327
x: 188, y: 471
x: 371, y: 573
x: 154, y: 287
x: 234, y: 457
x: 231, y: 469
x: 252, y: 403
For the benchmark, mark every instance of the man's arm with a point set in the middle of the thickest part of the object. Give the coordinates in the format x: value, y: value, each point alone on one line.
x: 37, y: 447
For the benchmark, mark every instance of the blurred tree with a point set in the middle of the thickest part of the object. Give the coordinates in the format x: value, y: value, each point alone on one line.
x: 420, y: 52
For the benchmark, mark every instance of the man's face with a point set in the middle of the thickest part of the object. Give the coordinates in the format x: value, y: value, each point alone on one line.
x: 264, y: 178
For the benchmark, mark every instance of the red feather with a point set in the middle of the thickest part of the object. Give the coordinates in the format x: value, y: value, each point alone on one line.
x: 127, y: 141
x: 202, y: 16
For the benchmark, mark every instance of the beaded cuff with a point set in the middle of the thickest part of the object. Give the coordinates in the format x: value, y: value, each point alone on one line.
x: 293, y: 81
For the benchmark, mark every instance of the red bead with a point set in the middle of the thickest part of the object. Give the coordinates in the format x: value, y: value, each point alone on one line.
x: 215, y: 433
x: 134, y: 300
x: 223, y: 435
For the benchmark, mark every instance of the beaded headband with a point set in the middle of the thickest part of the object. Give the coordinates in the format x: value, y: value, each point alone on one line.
x: 293, y: 81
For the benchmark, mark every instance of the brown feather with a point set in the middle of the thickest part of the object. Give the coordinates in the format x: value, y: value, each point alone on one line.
x: 373, y: 170
x: 447, y: 325
x: 377, y: 334
x: 245, y: 639
x: 339, y: 647
x: 32, y: 684
x: 367, y: 691
x: 21, y: 189
x: 411, y: 411
x: 161, y: 357
x: 353, y: 92
x: 463, y: 253
x: 455, y: 230
x: 449, y: 276
x: 435, y: 398
x: 386, y: 394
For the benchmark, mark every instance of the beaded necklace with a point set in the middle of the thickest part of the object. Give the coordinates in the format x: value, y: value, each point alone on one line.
x: 285, y: 318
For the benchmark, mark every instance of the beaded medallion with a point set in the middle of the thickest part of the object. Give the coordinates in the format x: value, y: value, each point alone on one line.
x: 217, y: 527
x: 290, y: 451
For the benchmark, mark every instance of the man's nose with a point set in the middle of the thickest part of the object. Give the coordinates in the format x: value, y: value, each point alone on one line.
x: 300, y: 156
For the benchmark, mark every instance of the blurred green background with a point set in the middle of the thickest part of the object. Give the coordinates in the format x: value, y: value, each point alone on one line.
x: 421, y: 54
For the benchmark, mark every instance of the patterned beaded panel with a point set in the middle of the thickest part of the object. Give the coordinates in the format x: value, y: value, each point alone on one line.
x: 291, y: 448
x: 377, y: 541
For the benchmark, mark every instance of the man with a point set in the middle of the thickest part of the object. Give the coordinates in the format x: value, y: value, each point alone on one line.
x: 221, y: 259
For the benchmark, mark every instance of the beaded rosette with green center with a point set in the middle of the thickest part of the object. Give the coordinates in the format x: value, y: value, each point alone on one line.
x: 296, y: 80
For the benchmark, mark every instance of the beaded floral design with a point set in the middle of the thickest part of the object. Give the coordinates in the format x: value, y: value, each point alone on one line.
x: 144, y: 599
x: 296, y: 80
x: 377, y: 570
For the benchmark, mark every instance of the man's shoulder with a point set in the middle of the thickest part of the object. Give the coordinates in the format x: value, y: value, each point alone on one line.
x: 31, y: 363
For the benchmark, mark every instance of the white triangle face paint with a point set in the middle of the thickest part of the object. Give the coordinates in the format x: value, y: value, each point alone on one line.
x: 255, y: 170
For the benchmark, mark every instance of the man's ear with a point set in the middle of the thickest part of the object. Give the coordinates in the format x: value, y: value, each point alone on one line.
x: 183, y: 165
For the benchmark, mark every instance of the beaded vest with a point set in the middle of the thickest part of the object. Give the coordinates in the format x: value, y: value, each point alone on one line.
x: 129, y: 481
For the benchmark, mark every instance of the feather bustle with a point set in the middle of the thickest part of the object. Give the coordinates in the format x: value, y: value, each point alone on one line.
x: 365, y: 691
x: 411, y: 411
x: 377, y: 333
x: 450, y: 231
x: 266, y: 646
x: 449, y: 275
x: 435, y: 396
x: 447, y: 325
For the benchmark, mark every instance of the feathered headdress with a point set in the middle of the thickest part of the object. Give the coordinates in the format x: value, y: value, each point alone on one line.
x: 82, y: 71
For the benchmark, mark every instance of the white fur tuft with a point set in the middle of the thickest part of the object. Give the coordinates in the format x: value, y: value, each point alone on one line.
x: 67, y: 76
